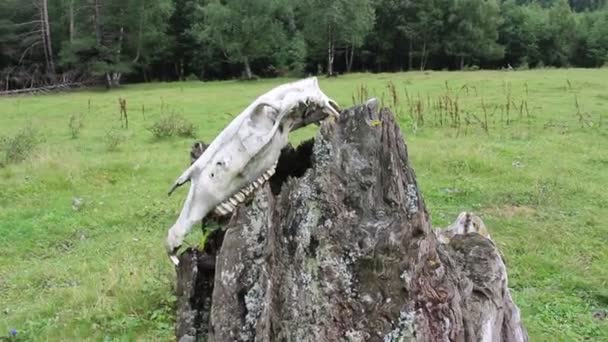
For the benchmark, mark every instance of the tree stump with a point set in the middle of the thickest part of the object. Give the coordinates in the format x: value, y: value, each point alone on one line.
x: 339, y: 247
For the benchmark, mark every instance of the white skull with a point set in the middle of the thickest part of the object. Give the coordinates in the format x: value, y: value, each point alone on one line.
x: 243, y: 156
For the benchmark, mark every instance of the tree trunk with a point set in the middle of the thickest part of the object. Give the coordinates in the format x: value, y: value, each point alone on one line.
x: 423, y: 56
x: 121, y: 35
x: 142, y: 19
x: 97, y: 20
x: 182, y: 77
x: 349, y: 64
x: 113, y: 79
x: 339, y: 247
x: 410, y: 55
x: 46, y: 38
x: 72, y: 27
x: 346, y: 58
x: 47, y: 30
x: 330, y: 54
x: 248, y: 73
x: 462, y: 62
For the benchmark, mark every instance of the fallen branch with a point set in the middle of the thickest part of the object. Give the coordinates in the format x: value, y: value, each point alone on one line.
x: 43, y: 90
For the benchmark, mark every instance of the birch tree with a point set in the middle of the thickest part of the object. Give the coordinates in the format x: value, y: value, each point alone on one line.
x: 242, y: 30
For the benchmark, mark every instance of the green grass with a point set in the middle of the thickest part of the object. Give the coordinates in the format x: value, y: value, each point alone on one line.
x: 539, y: 182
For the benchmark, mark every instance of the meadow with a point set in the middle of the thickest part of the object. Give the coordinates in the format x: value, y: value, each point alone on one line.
x: 525, y: 150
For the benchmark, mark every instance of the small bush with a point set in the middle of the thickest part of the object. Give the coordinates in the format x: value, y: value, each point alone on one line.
x: 75, y: 125
x: 185, y: 129
x: 523, y: 66
x: 172, y: 125
x: 114, y: 138
x: 192, y: 77
x: 17, y: 148
x: 270, y: 72
x: 244, y: 77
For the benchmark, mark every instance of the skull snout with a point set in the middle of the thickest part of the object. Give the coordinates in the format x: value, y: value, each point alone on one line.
x: 172, y: 245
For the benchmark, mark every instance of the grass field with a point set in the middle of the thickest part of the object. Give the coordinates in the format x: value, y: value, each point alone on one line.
x: 536, y: 171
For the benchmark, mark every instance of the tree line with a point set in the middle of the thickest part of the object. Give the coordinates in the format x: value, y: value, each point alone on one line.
x: 58, y: 41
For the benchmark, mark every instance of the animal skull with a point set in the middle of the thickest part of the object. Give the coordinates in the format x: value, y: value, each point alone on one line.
x: 244, y: 155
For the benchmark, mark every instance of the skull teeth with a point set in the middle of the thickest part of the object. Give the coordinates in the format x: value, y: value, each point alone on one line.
x: 220, y: 211
x: 231, y: 203
x: 229, y: 207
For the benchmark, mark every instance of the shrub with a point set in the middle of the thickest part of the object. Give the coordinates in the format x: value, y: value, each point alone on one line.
x: 270, y: 72
x: 114, y: 138
x: 245, y: 78
x: 185, y: 128
x: 540, y: 65
x: 523, y: 66
x: 16, y: 149
x: 192, y: 77
x: 171, y: 125
x: 75, y: 125
x: 472, y: 67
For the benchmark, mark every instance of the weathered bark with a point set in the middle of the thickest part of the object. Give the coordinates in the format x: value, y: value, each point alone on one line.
x: 339, y: 247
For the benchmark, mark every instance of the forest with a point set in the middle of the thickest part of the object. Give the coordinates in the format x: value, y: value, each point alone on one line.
x: 45, y: 42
